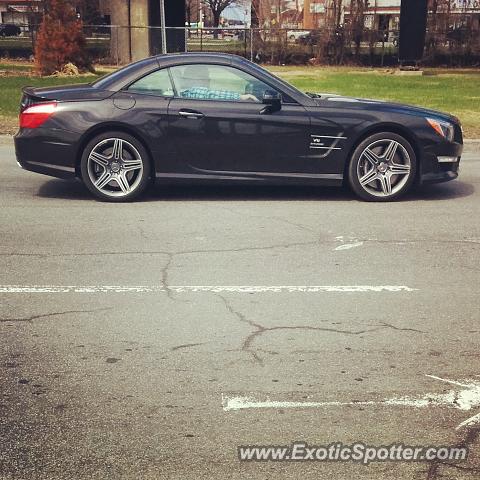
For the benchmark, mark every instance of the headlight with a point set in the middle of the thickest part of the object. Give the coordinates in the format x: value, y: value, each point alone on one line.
x: 444, y: 129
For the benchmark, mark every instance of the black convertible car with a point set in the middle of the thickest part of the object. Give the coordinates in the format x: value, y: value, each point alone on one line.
x: 221, y: 118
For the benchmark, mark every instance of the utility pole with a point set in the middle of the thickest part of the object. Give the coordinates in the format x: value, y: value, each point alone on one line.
x: 163, y: 26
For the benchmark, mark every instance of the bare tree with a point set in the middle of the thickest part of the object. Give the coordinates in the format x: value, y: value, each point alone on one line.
x: 357, y: 22
x: 255, y: 13
x: 217, y: 7
x: 336, y: 30
x: 192, y: 11
x: 34, y: 10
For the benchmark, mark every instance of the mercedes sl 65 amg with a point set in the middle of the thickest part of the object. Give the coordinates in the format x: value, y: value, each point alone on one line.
x: 220, y: 118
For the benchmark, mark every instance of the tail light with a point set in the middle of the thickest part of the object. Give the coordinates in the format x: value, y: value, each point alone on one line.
x: 37, y: 115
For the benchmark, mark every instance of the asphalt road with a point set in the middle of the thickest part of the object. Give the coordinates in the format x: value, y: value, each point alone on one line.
x: 112, y: 383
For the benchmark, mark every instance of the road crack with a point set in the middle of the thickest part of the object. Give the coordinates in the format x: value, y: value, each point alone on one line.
x: 48, y: 315
x: 471, y: 437
x: 259, y: 330
x: 165, y: 273
x: 186, y: 345
x: 163, y: 252
x: 400, y: 329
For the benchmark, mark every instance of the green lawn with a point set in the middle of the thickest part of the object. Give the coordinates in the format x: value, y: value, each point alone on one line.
x: 10, y: 93
x: 453, y: 91
x: 20, y: 67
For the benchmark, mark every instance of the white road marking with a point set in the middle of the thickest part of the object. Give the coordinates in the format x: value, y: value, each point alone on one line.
x: 348, y: 246
x: 465, y: 399
x: 352, y: 243
x: 470, y: 422
x: 203, y: 288
x: 250, y: 402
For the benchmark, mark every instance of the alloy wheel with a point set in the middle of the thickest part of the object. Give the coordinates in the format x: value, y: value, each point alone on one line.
x: 115, y: 167
x: 384, y: 168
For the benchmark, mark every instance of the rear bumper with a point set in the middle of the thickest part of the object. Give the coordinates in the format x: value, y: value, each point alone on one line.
x: 47, y: 151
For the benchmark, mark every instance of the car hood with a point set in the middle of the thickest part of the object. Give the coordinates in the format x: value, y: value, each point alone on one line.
x: 328, y: 99
x: 82, y: 91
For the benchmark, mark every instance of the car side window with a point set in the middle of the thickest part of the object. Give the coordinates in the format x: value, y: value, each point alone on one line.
x: 217, y: 82
x: 157, y: 83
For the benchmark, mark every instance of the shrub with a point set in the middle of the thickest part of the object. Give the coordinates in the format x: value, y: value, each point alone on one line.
x: 60, y: 39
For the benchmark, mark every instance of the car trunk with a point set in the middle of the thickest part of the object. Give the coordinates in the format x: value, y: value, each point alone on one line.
x: 66, y: 93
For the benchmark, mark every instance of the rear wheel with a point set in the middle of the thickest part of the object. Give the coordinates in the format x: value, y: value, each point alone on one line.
x: 382, y: 167
x: 115, y: 167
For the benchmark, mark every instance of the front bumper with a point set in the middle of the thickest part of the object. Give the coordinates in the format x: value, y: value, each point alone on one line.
x: 48, y: 151
x: 441, y: 161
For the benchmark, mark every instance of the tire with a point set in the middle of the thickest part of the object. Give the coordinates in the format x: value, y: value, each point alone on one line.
x: 383, y: 167
x: 115, y: 167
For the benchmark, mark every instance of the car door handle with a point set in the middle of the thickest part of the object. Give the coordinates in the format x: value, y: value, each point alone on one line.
x: 191, y: 114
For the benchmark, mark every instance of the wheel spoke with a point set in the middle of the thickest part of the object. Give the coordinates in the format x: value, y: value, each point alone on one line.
x: 103, y: 179
x: 386, y: 184
x: 397, y: 169
x: 117, y: 151
x: 131, y: 165
x: 371, y: 156
x: 98, y: 158
x: 390, y: 151
x: 369, y: 177
x: 122, y: 182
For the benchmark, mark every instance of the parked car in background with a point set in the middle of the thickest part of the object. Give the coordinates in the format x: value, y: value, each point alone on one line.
x: 9, y: 30
x: 375, y: 36
x: 459, y: 35
x: 294, y: 35
x: 310, y: 38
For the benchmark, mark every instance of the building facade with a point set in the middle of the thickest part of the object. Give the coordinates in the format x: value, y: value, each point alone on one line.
x: 20, y: 12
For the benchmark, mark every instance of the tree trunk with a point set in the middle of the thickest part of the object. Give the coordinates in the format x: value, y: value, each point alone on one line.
x: 216, y: 23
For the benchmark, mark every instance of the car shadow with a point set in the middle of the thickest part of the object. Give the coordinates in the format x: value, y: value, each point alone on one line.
x: 442, y: 191
x: 75, y: 190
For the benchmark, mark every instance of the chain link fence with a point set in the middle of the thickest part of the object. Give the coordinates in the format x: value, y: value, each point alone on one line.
x: 118, y: 45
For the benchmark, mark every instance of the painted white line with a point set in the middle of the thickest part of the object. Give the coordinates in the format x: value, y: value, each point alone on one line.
x: 203, y: 288
x: 465, y: 399
x: 250, y: 402
x: 348, y: 246
x: 470, y: 422
x: 347, y: 243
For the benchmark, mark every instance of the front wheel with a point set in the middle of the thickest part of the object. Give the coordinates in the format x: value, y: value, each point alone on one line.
x: 382, y: 168
x: 115, y: 167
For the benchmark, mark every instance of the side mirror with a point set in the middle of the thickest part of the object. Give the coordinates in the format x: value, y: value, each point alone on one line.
x: 272, y: 100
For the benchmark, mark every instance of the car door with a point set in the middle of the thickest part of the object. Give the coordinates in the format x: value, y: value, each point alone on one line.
x: 145, y: 106
x: 219, y: 124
